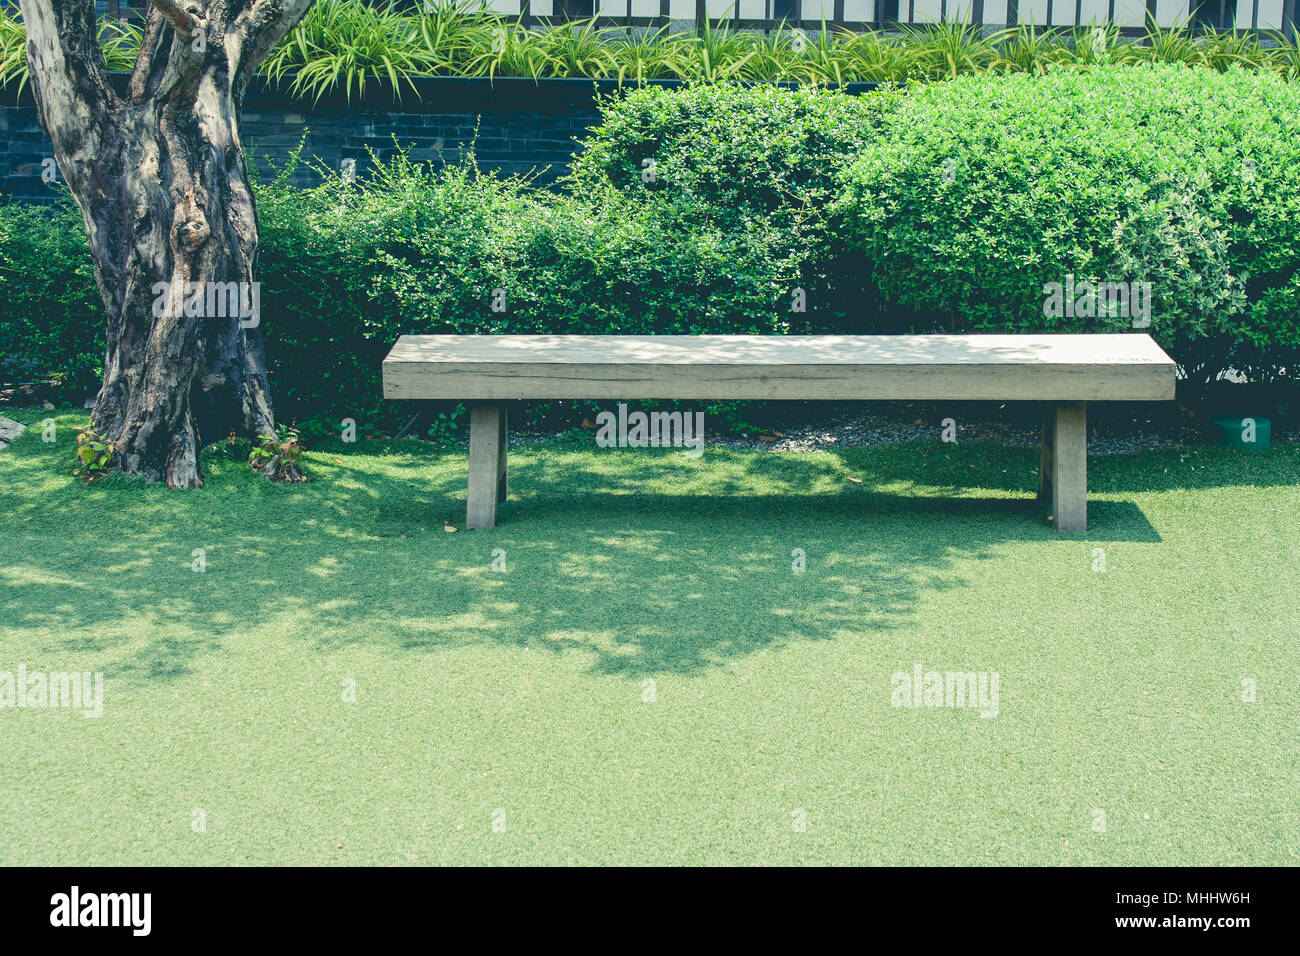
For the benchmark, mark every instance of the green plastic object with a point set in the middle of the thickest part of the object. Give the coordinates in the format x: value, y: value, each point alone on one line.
x: 1247, y: 432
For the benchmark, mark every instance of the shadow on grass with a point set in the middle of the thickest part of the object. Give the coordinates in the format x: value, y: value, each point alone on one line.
x: 688, y: 576
x: 673, y: 596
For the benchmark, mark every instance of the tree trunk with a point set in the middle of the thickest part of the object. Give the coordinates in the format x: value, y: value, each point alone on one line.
x: 163, y: 188
x: 178, y: 346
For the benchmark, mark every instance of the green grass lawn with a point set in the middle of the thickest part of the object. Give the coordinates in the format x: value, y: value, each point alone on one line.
x: 525, y: 697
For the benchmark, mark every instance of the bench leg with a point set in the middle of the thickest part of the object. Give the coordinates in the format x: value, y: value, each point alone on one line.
x: 1063, y: 465
x: 1045, y: 456
x: 487, y: 465
x: 503, y: 480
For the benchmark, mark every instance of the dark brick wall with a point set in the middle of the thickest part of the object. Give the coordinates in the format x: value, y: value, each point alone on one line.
x: 514, y: 126
x: 517, y: 126
x: 23, y: 147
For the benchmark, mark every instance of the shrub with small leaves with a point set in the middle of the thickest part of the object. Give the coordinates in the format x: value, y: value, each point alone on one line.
x: 410, y: 249
x: 444, y: 428
x: 95, y: 454
x: 279, y: 456
x: 53, y: 323
x: 758, y: 163
x: 981, y: 191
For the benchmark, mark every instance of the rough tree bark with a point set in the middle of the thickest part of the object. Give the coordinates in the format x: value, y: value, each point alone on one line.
x: 160, y: 177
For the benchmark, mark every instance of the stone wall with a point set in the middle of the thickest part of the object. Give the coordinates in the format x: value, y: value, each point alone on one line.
x: 517, y: 126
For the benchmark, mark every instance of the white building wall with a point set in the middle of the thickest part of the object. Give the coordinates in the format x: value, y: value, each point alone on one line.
x: 1270, y: 14
x: 995, y: 11
x: 1130, y: 13
x: 922, y: 11
x: 1169, y: 12
x: 814, y: 10
x: 863, y: 11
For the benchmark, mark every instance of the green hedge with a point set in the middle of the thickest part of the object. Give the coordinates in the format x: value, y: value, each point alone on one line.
x: 52, y: 324
x: 979, y: 192
x: 348, y: 267
x: 945, y: 208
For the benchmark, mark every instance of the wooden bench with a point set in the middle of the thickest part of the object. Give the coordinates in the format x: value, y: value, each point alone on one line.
x: 1065, y: 371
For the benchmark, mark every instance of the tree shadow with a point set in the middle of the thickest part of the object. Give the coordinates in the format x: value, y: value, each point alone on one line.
x: 688, y: 577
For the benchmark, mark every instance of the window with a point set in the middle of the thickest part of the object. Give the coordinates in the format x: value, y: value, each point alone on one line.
x: 1215, y: 13
x: 785, y: 10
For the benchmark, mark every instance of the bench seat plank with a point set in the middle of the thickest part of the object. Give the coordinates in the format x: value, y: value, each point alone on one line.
x: 1094, y: 367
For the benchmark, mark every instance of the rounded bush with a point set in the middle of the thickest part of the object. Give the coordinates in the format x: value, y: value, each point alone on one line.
x: 749, y: 160
x: 979, y: 197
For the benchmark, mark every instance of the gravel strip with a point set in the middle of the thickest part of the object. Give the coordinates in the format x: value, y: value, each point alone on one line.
x: 854, y: 431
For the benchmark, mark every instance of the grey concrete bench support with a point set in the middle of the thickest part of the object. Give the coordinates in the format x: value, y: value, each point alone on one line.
x: 1063, y: 465
x: 488, y: 482
x: 1063, y: 371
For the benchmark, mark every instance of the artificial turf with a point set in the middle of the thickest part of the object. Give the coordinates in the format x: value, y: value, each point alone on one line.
x: 648, y: 680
